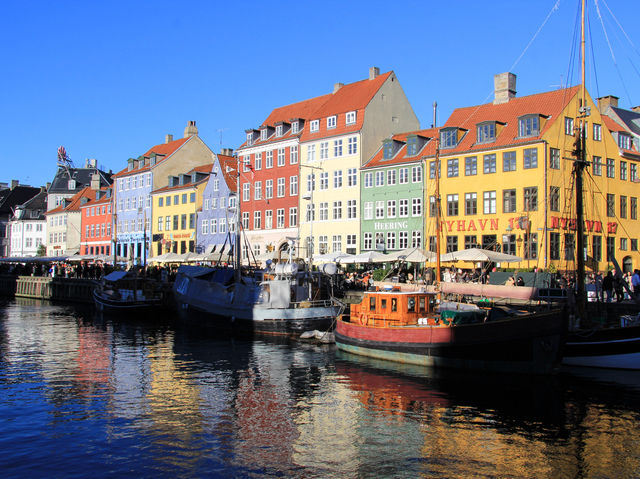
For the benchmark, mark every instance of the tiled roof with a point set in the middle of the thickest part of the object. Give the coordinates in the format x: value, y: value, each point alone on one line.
x: 76, y: 201
x: 401, y: 157
x: 198, y: 169
x: 166, y: 149
x: 548, y: 104
x: 229, y: 167
x: 613, y: 125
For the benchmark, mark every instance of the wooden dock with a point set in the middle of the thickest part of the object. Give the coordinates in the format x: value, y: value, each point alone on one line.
x: 76, y: 290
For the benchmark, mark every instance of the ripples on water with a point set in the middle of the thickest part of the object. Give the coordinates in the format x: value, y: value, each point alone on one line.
x: 90, y: 396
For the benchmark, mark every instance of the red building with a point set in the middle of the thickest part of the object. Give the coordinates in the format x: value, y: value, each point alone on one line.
x: 96, y: 224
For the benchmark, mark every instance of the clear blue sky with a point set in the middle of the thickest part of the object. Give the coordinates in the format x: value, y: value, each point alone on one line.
x: 110, y: 79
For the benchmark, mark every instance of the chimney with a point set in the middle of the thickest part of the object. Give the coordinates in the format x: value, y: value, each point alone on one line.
x: 604, y: 102
x: 504, y: 87
x: 48, y: 185
x: 95, y: 181
x: 14, y: 183
x: 190, y: 129
x: 373, y: 72
x: 226, y: 151
x: 337, y: 86
x: 168, y: 138
x: 636, y: 108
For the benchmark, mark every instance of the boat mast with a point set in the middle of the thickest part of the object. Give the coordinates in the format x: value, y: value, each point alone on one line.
x: 579, y: 165
x: 237, y: 222
x: 438, y: 221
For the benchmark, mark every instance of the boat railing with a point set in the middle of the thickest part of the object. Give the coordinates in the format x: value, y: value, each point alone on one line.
x: 317, y: 303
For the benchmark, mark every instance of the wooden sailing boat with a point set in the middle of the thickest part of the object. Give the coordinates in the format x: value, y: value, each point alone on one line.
x: 617, y: 343
x: 415, y: 327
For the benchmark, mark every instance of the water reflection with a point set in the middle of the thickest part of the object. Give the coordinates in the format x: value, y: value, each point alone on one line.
x: 147, y: 397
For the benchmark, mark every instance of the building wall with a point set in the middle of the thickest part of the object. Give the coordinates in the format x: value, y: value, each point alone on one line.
x: 96, y: 228
x: 26, y: 237
x: 192, y: 153
x: 57, y: 234
x: 214, y: 203
x: 130, y: 214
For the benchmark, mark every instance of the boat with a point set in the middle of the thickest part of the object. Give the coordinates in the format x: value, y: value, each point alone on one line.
x: 286, y: 300
x: 606, y: 337
x: 124, y: 292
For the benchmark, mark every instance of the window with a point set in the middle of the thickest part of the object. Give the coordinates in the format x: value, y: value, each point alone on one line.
x: 337, y: 210
x: 623, y: 206
x: 554, y: 198
x: 633, y: 172
x: 176, y: 200
x: 246, y: 191
x: 183, y: 222
x: 452, y: 205
x: 470, y: 166
x: 293, y: 155
x: 448, y: 138
x: 486, y: 132
x: 268, y: 162
x: 263, y: 134
x: 223, y: 225
x: 331, y: 122
x: 368, y: 241
x: 280, y: 156
x: 323, y: 244
x: 633, y: 208
x: 314, y: 126
x: 258, y: 162
x: 391, y: 208
x: 293, y: 185
x: 597, y: 132
x: 311, y: 152
x: 352, y: 145
x: 167, y: 223
x: 350, y: 118
x: 611, y: 247
x: 611, y: 200
x: 257, y: 190
x: 368, y: 180
x: 280, y: 218
x: 554, y: 246
x: 597, y: 166
x: 403, y: 209
x: 611, y: 168
x: 452, y: 168
x: 530, y: 158
x: 391, y: 177
x: 337, y: 148
x: 245, y: 220
x: 379, y: 178
x: 175, y: 222
x: 509, y: 161
x: 268, y: 219
x: 470, y: 203
x: 257, y: 220
x: 416, y: 207
x: 293, y: 217
x: 530, y: 245
x: 324, y: 150
x: 624, y: 141
x: 412, y: 145
x: 489, y: 202
x: 279, y: 130
x: 490, y: 163
x: 281, y: 187
x: 352, y: 177
x: 324, y: 211
x: 416, y: 239
x: 432, y: 170
x: 368, y: 210
x: 554, y: 158
x: 404, y: 176
x: 268, y: 189
x: 403, y: 239
x: 295, y: 127
x: 391, y: 240
x: 470, y: 241
x: 623, y: 244
x: 623, y: 170
x: 531, y: 198
x: 452, y: 244
x: 379, y: 209
x: 528, y: 125
x: 568, y: 126
x: 634, y: 244
x: 351, y: 209
x: 337, y: 179
x: 337, y: 243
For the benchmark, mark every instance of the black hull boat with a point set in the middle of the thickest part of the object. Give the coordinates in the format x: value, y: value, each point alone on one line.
x: 122, y: 292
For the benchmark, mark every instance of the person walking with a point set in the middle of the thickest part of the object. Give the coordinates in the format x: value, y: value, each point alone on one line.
x: 618, y: 287
x: 607, y: 286
x: 635, y: 282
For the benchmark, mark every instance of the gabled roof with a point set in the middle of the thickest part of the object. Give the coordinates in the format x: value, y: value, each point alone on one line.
x: 75, y: 201
x: 82, y: 177
x: 378, y: 160
x: 166, y: 149
x: 229, y: 167
x: 198, y: 169
x: 613, y: 125
x: 629, y: 117
x: 548, y: 104
x: 35, y: 203
x: 12, y: 197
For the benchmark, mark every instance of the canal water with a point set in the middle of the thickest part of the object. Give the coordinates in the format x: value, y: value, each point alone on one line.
x: 83, y: 395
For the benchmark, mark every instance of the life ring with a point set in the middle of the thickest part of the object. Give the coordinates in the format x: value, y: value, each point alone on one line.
x: 363, y: 319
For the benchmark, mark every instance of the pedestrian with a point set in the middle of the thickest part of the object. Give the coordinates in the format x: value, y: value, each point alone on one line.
x: 520, y: 281
x: 618, y: 287
x: 635, y: 282
x: 607, y: 286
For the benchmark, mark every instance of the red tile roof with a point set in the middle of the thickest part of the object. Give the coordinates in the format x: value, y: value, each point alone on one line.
x: 76, y: 201
x: 229, y: 167
x: 612, y: 125
x: 166, y: 149
x: 548, y: 104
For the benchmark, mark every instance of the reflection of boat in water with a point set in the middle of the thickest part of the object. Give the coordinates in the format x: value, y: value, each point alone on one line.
x: 287, y: 301
x: 123, y: 291
x: 404, y: 326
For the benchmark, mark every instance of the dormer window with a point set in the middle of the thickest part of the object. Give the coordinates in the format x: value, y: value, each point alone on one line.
x: 295, y: 126
x: 331, y: 121
x: 263, y: 134
x: 279, y: 130
x: 249, y: 139
x: 448, y: 138
x: 486, y: 132
x: 315, y: 126
x: 412, y: 145
x: 528, y: 125
x: 388, y: 149
x: 351, y: 118
x: 624, y: 141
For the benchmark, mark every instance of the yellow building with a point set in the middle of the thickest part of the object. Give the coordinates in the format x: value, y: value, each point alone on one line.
x: 338, y: 138
x: 507, y: 183
x: 175, y: 207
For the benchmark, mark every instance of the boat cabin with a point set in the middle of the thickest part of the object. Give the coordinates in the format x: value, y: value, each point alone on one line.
x: 395, y: 308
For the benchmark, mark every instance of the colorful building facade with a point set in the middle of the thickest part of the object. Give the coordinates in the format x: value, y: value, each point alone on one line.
x: 96, y: 225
